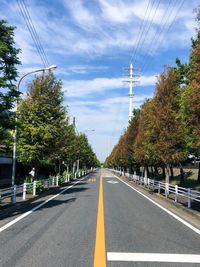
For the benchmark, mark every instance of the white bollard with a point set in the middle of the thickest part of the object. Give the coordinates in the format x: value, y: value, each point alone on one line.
x: 75, y: 176
x: 53, y: 181
x: 34, y: 187
x: 166, y: 189
x: 158, y: 188
x: 14, y: 194
x: 57, y: 178
x: 176, y: 193
x: 189, y: 198
x: 24, y: 191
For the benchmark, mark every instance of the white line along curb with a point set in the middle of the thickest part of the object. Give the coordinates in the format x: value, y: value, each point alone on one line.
x: 196, y: 230
x: 36, y: 208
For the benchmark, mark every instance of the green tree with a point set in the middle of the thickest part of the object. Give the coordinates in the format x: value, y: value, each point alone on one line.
x: 8, y: 75
x: 84, y: 153
x: 43, y: 122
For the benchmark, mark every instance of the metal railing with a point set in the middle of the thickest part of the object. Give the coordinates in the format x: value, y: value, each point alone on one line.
x: 164, y: 188
x: 33, y: 187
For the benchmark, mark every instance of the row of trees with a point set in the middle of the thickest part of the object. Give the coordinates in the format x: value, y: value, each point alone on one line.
x: 44, y: 131
x: 166, y: 129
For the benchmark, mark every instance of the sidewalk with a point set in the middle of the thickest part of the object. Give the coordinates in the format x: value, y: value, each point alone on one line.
x: 9, y: 211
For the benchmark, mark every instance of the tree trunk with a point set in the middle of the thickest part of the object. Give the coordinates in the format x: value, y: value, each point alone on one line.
x: 148, y: 174
x: 156, y: 170
x: 182, y: 178
x: 199, y: 174
x: 167, y: 177
x: 152, y: 173
x: 163, y: 172
x: 172, y: 172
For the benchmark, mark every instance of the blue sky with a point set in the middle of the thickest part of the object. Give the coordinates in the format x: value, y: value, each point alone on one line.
x: 91, y: 41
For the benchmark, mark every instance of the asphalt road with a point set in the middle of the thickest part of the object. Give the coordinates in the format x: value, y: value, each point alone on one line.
x: 63, y: 232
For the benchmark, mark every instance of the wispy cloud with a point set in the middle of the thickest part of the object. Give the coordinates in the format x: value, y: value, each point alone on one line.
x: 91, y: 41
x: 100, y: 85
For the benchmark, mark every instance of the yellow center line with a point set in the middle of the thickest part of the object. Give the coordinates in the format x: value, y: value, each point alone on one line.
x: 100, y: 251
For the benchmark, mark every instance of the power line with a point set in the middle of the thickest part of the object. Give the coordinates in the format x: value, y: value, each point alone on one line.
x: 35, y: 33
x: 148, y: 27
x: 140, y: 32
x: 160, y: 40
x: 32, y: 31
x: 160, y: 29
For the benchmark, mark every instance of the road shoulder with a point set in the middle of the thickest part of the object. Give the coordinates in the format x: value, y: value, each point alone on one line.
x: 190, y: 216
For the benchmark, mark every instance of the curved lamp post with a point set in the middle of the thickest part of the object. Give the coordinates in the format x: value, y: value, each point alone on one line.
x: 52, y: 67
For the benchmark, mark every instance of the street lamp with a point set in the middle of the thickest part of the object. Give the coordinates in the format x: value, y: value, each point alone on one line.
x: 91, y: 130
x: 52, y: 67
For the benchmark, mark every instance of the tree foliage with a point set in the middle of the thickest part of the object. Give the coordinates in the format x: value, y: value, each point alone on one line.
x: 8, y: 75
x: 44, y: 132
x: 192, y: 98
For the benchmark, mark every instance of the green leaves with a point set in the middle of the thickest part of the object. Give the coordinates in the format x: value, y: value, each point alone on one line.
x: 41, y: 118
x: 44, y: 131
x: 8, y: 74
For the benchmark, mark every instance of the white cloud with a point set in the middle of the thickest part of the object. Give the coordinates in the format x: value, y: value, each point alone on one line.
x: 109, y: 118
x: 99, y: 85
x: 80, y: 13
x: 103, y: 30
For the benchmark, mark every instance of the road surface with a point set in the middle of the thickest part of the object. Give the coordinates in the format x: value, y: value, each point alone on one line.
x: 99, y: 221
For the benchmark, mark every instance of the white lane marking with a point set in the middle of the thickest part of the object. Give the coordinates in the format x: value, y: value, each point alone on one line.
x: 36, y: 208
x: 153, y: 257
x: 112, y: 182
x: 196, y: 230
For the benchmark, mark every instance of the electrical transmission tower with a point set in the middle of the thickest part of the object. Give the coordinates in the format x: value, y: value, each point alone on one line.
x: 131, y: 81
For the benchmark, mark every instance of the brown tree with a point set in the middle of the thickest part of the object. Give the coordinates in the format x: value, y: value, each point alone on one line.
x: 170, y: 146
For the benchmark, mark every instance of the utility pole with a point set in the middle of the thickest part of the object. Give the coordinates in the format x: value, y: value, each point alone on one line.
x: 131, y: 93
x: 131, y: 81
x: 74, y: 122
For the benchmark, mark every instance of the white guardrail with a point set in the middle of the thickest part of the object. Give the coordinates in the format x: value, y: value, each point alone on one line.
x: 153, y: 185
x: 31, y: 188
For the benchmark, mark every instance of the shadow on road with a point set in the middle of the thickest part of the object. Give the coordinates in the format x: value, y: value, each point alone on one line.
x: 22, y: 207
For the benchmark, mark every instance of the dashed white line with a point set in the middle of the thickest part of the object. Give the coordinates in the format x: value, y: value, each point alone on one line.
x: 153, y: 257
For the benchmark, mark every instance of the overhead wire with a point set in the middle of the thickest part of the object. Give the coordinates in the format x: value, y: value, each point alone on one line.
x: 160, y: 40
x: 148, y: 28
x: 29, y: 23
x: 35, y: 33
x: 140, y: 31
x: 160, y: 29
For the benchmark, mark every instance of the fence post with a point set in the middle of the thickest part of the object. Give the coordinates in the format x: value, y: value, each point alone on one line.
x: 158, y: 187
x: 148, y: 182
x: 48, y: 182
x: 14, y: 194
x: 166, y: 189
x: 34, y: 187
x: 189, y: 198
x: 176, y: 193
x: 57, y: 178
x: 24, y: 191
